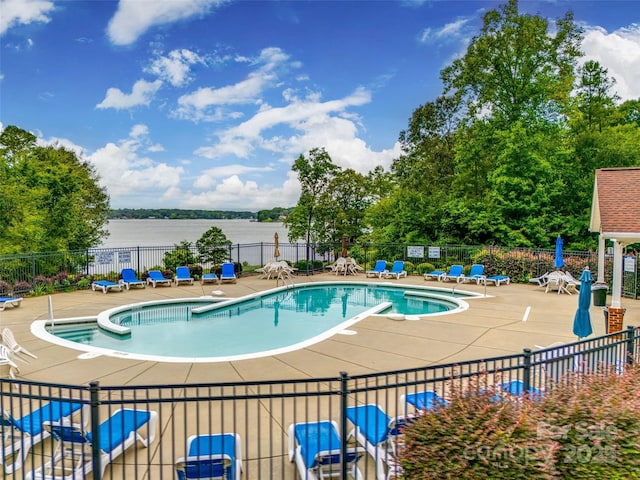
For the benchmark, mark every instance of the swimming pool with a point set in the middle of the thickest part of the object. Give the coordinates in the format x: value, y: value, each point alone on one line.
x: 207, y: 329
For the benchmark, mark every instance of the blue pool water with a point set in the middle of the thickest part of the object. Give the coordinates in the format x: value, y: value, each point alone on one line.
x: 263, y: 325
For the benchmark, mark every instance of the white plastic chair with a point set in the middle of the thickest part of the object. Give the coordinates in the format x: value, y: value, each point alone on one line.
x: 10, y: 342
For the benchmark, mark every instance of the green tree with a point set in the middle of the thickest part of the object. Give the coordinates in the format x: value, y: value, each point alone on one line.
x: 516, y: 69
x: 182, y: 255
x: 49, y: 199
x: 213, y: 246
x: 315, y: 173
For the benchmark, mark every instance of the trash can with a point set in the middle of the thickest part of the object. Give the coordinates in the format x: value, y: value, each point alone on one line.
x: 599, y: 294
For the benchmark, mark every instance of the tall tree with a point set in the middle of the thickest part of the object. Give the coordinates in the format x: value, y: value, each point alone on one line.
x: 315, y: 173
x: 516, y: 69
x: 50, y: 200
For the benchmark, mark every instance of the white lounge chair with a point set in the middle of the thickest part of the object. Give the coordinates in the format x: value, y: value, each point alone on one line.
x: 14, y: 347
x: 72, y: 458
x: 8, y: 366
x: 211, y: 457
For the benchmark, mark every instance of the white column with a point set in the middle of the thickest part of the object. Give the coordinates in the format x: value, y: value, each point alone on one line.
x: 616, y: 291
x: 601, y: 253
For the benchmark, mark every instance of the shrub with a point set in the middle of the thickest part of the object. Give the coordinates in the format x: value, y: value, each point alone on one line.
x: 5, y: 288
x: 584, y: 427
x: 425, y: 267
x: 314, y: 265
x: 22, y: 288
x: 475, y: 436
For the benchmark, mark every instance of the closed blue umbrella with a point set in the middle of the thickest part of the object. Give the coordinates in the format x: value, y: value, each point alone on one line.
x: 558, y: 262
x: 582, y: 320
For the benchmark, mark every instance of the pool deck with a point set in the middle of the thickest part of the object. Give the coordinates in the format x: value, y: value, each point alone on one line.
x: 496, y: 324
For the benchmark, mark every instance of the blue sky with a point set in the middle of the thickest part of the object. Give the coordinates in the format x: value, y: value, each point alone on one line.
x: 206, y: 103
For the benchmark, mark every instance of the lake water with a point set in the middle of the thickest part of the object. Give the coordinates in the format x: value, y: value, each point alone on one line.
x: 164, y: 232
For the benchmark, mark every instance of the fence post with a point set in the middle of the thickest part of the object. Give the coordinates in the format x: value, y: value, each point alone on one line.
x: 630, y: 344
x: 94, y: 389
x: 343, y: 424
x: 526, y: 370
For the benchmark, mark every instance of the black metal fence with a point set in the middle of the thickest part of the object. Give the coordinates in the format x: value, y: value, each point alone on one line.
x: 41, y: 273
x: 257, y: 414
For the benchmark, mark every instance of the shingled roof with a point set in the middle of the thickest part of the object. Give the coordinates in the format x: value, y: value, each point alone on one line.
x: 615, y: 210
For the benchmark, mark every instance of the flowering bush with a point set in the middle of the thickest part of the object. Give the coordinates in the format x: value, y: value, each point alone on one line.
x: 585, y: 427
x: 22, y: 288
x: 5, y: 288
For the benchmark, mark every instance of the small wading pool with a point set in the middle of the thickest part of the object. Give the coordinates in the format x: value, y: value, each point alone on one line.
x: 209, y: 329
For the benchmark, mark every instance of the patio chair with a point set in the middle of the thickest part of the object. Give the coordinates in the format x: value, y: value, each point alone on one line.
x: 380, y: 435
x: 105, y: 286
x: 379, y: 269
x: 14, y: 347
x: 228, y: 273
x: 20, y: 435
x: 156, y: 278
x: 72, y: 458
x: 397, y: 270
x: 475, y: 275
x: 424, y: 400
x: 454, y: 273
x: 8, y: 366
x: 209, y: 278
x: 130, y: 279
x: 540, y: 281
x: 211, y: 457
x: 315, y: 447
x: 434, y: 275
x: 497, y: 280
x: 183, y: 275
x: 13, y: 301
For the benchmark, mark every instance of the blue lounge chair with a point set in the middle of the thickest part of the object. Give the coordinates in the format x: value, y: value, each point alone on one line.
x: 475, y: 275
x: 380, y: 435
x: 497, y: 280
x: 211, y: 457
x: 397, y: 270
x: 130, y: 279
x: 379, y: 269
x: 105, y: 286
x: 209, y: 277
x: 434, y: 275
x: 454, y: 273
x: 183, y: 275
x: 228, y: 273
x: 315, y: 448
x: 74, y: 445
x: 516, y: 389
x: 20, y: 435
x: 13, y: 301
x: 425, y: 400
x: 156, y: 278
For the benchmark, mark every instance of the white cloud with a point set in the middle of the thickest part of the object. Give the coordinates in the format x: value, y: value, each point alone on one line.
x: 23, y: 12
x: 175, y: 67
x: 236, y: 194
x: 134, y: 17
x: 211, y: 176
x: 124, y: 171
x: 619, y: 52
x: 141, y: 94
x: 194, y: 106
x: 298, y: 115
x: 452, y: 31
